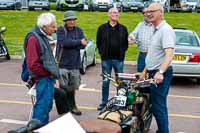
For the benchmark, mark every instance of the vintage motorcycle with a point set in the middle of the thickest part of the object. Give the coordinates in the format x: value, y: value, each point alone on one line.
x: 3, y: 48
x: 130, y: 103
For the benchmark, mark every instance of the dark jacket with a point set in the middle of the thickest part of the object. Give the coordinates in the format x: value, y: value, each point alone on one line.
x: 102, y: 41
x: 70, y: 41
x: 39, y: 56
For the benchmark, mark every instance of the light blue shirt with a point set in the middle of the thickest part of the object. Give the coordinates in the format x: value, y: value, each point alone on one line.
x: 142, y: 35
x: 163, y: 37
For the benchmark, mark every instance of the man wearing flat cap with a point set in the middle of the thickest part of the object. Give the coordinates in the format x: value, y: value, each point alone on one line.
x: 70, y: 39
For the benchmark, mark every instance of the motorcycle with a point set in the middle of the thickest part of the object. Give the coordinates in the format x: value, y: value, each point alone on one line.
x: 132, y: 98
x: 3, y: 47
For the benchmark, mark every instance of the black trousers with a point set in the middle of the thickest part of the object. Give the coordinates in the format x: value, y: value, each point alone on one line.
x: 61, y: 101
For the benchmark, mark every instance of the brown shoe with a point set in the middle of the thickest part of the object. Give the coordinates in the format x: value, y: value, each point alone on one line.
x: 76, y: 111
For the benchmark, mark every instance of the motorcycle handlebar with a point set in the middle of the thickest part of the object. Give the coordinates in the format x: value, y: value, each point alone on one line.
x: 134, y: 82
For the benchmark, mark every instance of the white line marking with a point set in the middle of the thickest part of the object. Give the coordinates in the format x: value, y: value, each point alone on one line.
x: 13, y: 121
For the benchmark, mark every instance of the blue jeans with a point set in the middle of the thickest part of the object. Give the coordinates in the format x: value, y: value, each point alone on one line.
x: 107, y: 66
x: 44, y: 99
x: 158, y: 99
x: 141, y: 62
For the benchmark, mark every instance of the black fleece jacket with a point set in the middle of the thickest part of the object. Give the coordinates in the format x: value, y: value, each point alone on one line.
x: 103, y: 41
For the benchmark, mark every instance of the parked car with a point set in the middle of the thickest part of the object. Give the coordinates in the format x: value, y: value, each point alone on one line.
x: 132, y: 5
x: 198, y: 6
x: 102, y: 5
x: 165, y: 3
x: 10, y: 4
x: 88, y: 56
x: 69, y: 5
x: 38, y: 4
x: 188, y: 5
x: 186, y: 60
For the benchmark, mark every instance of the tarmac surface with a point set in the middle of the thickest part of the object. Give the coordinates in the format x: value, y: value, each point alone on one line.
x: 15, y: 103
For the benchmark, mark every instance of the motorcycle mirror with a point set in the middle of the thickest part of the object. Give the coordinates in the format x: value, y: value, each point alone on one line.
x: 3, y: 29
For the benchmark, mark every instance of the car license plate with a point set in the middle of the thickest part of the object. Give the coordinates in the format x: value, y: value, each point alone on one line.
x: 179, y: 58
x: 102, y: 7
x: 120, y: 101
x: 72, y: 5
x: 38, y: 8
x: 134, y: 8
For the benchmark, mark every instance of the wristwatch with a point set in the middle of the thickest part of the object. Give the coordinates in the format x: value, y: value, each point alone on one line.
x: 161, y: 71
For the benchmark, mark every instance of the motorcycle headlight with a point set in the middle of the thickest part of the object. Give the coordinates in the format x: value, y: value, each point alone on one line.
x: 122, y: 91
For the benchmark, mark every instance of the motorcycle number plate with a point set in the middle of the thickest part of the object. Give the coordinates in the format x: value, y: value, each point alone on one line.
x: 120, y: 101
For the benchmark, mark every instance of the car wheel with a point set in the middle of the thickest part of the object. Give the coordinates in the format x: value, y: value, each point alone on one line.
x: 58, y: 8
x: 30, y: 9
x: 83, y: 64
x: 94, y: 62
x: 198, y: 80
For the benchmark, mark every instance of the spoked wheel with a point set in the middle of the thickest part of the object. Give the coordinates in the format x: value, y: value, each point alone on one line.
x: 144, y: 122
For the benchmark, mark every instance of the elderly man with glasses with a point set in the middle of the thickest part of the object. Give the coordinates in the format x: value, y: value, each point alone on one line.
x: 41, y: 65
x: 141, y: 35
x: 158, y: 64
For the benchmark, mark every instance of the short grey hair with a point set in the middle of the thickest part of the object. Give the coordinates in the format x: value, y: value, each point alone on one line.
x: 45, y: 19
x: 160, y: 7
x: 113, y: 8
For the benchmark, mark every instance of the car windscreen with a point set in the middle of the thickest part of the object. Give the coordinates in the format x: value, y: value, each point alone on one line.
x: 38, y: 0
x: 133, y: 0
x: 6, y: 0
x: 186, y: 39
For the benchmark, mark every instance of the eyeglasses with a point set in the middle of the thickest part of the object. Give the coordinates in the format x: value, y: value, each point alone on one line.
x: 150, y: 11
x: 114, y: 12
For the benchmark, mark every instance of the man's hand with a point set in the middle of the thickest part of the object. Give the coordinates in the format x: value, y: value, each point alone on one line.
x: 158, y: 78
x: 57, y: 84
x: 130, y: 40
x: 143, y: 75
x: 84, y: 41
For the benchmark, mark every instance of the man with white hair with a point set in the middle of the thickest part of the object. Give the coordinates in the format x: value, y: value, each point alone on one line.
x: 112, y: 43
x: 141, y: 35
x: 41, y: 65
x: 158, y: 64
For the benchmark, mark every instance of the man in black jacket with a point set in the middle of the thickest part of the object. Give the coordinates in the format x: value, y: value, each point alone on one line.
x: 112, y: 43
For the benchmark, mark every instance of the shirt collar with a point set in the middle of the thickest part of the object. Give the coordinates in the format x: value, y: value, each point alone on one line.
x: 114, y: 26
x: 163, y: 22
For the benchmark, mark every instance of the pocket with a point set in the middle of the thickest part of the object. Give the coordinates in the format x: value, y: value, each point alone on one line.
x: 74, y: 80
x: 64, y: 79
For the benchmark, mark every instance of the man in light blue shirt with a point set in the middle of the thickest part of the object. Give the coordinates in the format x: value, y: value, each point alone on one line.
x: 158, y: 64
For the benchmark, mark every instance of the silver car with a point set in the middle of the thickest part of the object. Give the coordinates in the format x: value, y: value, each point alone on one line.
x: 38, y: 4
x: 132, y: 5
x: 11, y: 4
x: 186, y: 61
x: 88, y: 56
